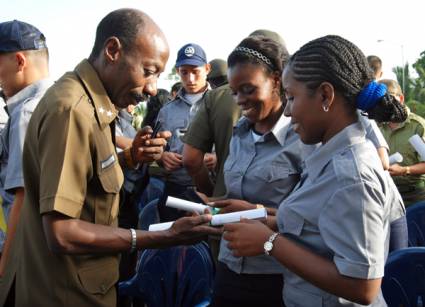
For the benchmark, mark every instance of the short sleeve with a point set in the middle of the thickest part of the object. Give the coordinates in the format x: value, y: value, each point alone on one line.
x: 65, y: 161
x: 199, y: 134
x: 352, y: 225
x: 18, y: 127
x: 373, y: 133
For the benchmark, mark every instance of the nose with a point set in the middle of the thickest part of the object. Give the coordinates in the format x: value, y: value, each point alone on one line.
x: 288, y: 108
x: 191, y: 78
x: 151, y: 87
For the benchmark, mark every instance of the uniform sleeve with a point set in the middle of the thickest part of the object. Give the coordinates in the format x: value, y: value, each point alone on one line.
x: 65, y: 161
x: 353, y: 226
x: 373, y: 133
x: 18, y: 128
x: 199, y: 134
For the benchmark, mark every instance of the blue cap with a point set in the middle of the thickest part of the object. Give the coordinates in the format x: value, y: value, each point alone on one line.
x: 18, y: 36
x: 191, y: 54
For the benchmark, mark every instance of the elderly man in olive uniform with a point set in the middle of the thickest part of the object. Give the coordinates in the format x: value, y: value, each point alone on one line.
x: 69, y: 239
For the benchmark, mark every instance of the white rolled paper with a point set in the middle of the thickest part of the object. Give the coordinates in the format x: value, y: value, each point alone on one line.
x: 233, y: 217
x: 221, y: 219
x: 185, y: 205
x: 395, y: 158
x: 160, y: 226
x: 418, y: 144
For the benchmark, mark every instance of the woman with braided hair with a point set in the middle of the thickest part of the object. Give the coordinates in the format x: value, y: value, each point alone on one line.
x: 334, y: 226
x: 262, y: 168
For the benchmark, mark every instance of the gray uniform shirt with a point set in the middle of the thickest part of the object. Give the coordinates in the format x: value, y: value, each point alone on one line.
x: 373, y: 133
x: 263, y: 171
x: 124, y: 128
x: 20, y: 108
x: 175, y: 117
x: 341, y: 210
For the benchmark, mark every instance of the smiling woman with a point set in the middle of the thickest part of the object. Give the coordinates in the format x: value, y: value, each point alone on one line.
x: 263, y: 166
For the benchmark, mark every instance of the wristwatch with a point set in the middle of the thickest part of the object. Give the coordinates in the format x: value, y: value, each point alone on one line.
x: 268, y: 245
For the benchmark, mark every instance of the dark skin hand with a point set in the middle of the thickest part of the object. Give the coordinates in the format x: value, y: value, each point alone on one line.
x: 234, y: 205
x: 65, y: 235
x: 247, y: 239
x: 147, y: 149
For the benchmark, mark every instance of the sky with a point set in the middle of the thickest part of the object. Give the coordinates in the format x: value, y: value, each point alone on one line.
x: 219, y: 25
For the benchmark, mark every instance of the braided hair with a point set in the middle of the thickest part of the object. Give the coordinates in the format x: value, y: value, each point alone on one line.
x: 336, y: 60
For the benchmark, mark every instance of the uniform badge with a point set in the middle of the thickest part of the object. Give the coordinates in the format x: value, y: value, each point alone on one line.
x: 189, y: 51
x: 109, y: 161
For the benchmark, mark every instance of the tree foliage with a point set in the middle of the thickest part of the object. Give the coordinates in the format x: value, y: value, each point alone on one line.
x: 414, y: 87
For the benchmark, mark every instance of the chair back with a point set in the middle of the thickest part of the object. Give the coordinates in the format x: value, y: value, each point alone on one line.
x: 415, y: 216
x: 404, y: 280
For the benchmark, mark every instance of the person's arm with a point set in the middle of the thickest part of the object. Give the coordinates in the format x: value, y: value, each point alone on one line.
x: 66, y: 235
x: 193, y: 161
x: 383, y: 156
x: 11, y: 226
x: 308, y: 265
x: 123, y: 142
x: 414, y: 169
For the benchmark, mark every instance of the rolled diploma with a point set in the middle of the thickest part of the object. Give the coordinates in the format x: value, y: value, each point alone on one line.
x: 185, y: 205
x: 233, y: 217
x: 160, y: 226
x: 221, y: 219
x: 395, y: 158
x: 418, y: 144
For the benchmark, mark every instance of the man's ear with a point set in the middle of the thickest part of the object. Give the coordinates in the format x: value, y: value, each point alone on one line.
x: 21, y: 61
x: 112, y: 49
x: 207, y: 68
x: 327, y: 94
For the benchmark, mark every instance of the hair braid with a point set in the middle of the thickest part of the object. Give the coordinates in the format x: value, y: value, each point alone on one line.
x: 336, y: 60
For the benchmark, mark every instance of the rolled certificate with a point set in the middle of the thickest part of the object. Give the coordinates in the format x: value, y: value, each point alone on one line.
x: 395, y: 158
x: 418, y: 144
x: 221, y: 219
x: 160, y: 226
x: 185, y: 205
x: 233, y: 217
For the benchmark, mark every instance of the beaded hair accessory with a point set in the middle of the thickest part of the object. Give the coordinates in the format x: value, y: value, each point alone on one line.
x: 254, y: 53
x: 370, y: 95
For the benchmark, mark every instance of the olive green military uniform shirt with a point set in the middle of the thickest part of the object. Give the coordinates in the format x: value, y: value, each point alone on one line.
x: 213, y: 125
x: 70, y: 167
x: 411, y: 187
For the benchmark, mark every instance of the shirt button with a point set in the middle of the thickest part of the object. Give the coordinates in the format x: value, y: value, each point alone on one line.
x: 102, y: 287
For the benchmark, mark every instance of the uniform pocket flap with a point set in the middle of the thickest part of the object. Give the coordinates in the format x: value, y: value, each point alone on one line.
x: 111, y: 178
x: 99, y: 279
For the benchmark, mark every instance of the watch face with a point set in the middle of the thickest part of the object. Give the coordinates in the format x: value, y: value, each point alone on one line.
x: 268, y: 246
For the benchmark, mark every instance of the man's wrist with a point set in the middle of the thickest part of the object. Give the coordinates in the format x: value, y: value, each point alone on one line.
x: 129, y: 158
x: 407, y: 170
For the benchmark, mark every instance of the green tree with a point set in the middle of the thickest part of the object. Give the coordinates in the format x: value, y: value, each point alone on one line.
x: 173, y: 76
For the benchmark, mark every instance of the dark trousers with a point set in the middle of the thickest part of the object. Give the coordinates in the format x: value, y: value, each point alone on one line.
x: 247, y: 290
x: 398, y: 234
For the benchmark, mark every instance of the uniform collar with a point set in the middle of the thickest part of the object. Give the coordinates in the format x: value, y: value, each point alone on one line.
x: 279, y: 131
x: 31, y: 91
x: 350, y: 135
x: 104, y: 109
x: 181, y: 94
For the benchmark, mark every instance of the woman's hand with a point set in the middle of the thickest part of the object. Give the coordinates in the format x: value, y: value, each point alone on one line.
x: 232, y: 205
x: 247, y: 238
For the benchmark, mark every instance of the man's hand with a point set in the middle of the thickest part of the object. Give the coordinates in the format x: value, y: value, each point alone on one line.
x: 210, y: 161
x: 397, y: 170
x: 147, y: 148
x: 171, y: 161
x: 190, y: 230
